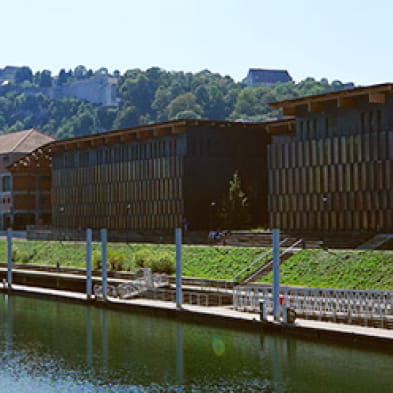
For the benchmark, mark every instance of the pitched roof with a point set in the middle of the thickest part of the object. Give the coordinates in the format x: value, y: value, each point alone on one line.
x: 260, y: 75
x: 351, y: 92
x: 23, y: 141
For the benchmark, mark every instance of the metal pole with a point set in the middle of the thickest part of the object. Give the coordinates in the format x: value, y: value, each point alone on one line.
x: 276, y: 273
x: 89, y: 238
x: 104, y: 241
x: 9, y: 256
x: 179, y: 294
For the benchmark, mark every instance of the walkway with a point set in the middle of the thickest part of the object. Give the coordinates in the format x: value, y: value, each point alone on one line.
x: 226, y: 316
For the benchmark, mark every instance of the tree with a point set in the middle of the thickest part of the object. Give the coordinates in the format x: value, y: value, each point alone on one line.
x: 45, y: 79
x: 80, y: 72
x: 138, y: 92
x: 23, y: 74
x: 184, y: 102
x: 126, y: 117
x: 106, y: 117
x: 62, y: 78
x: 235, y: 211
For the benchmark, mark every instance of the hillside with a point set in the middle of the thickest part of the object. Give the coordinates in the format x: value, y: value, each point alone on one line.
x: 142, y: 97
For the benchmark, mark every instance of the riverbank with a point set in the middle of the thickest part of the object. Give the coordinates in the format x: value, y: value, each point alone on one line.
x: 224, y: 316
x: 345, y: 269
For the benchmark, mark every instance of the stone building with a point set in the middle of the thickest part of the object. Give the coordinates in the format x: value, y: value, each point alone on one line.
x: 99, y: 89
x: 257, y: 77
x: 24, y: 195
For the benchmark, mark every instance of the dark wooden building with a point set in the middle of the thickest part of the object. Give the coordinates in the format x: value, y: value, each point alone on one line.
x: 335, y: 171
x: 152, y: 177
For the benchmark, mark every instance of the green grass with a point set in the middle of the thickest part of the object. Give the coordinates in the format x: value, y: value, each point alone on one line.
x: 314, y: 268
x: 350, y: 269
x: 198, y: 261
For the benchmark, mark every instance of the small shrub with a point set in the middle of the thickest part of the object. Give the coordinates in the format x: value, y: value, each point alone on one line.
x: 26, y: 257
x: 115, y: 260
x: 15, y: 254
x: 163, y: 263
x: 96, y: 261
x: 143, y: 258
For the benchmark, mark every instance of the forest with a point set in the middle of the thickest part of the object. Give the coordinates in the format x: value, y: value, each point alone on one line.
x: 145, y: 97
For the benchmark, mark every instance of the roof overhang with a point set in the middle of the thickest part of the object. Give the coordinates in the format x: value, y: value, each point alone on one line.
x: 40, y: 159
x: 281, y: 127
x: 375, y: 94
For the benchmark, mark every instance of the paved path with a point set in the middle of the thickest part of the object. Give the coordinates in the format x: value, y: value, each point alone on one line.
x: 223, y: 313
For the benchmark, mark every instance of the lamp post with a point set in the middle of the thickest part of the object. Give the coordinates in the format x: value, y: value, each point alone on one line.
x: 212, y: 211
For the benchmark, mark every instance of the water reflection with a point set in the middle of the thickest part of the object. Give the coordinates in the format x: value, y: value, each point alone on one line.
x: 9, y: 330
x: 42, y: 351
x: 104, y: 338
x: 179, y: 354
x: 89, y: 338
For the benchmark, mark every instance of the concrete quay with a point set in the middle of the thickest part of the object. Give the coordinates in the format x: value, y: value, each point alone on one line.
x: 224, y: 316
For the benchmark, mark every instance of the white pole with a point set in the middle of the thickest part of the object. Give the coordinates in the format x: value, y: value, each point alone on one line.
x: 104, y: 241
x: 9, y: 256
x: 179, y: 294
x: 276, y: 274
x: 89, y: 238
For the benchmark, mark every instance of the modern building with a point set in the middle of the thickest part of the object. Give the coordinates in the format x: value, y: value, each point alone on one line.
x: 152, y: 177
x: 24, y: 195
x: 334, y: 171
x: 257, y: 77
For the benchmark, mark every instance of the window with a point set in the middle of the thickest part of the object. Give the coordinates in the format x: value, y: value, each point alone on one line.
x: 6, y: 183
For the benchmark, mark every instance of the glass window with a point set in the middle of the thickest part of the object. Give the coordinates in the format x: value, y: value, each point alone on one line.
x: 6, y: 183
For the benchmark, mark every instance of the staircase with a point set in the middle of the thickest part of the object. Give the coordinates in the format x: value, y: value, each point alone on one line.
x: 333, y: 240
x: 267, y: 267
x: 256, y: 239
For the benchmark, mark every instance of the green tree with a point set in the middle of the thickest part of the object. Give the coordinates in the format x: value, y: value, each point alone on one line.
x: 23, y: 74
x: 184, y: 102
x: 126, y: 117
x: 45, y: 79
x: 235, y: 211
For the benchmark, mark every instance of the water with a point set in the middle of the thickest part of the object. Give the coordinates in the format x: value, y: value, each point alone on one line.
x: 48, y: 346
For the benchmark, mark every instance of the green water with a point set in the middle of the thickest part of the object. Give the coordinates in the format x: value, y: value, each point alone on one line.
x: 48, y: 346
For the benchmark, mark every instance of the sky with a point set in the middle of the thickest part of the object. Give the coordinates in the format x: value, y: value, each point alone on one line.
x: 348, y: 40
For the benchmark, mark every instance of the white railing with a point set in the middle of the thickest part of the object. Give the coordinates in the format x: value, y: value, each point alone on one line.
x: 253, y: 263
x: 269, y: 264
x: 319, y: 303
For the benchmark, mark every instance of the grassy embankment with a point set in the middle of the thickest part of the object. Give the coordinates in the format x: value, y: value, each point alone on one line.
x: 315, y: 268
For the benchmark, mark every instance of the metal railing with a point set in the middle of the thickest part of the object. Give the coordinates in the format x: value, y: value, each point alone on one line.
x: 269, y: 264
x: 320, y: 303
x: 253, y: 263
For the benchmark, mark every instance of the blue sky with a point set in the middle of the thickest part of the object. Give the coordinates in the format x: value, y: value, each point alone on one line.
x: 350, y: 40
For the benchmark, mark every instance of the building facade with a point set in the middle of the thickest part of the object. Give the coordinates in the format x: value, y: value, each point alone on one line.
x: 24, y: 194
x: 153, y: 177
x: 335, y: 171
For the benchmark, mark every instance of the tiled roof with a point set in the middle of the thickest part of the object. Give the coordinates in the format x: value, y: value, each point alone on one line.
x: 23, y: 141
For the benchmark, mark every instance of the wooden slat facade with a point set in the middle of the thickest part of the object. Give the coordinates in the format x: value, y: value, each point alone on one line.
x: 336, y: 172
x: 127, y: 186
x: 154, y: 182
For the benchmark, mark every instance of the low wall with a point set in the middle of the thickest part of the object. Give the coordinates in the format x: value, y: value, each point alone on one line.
x: 34, y: 232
